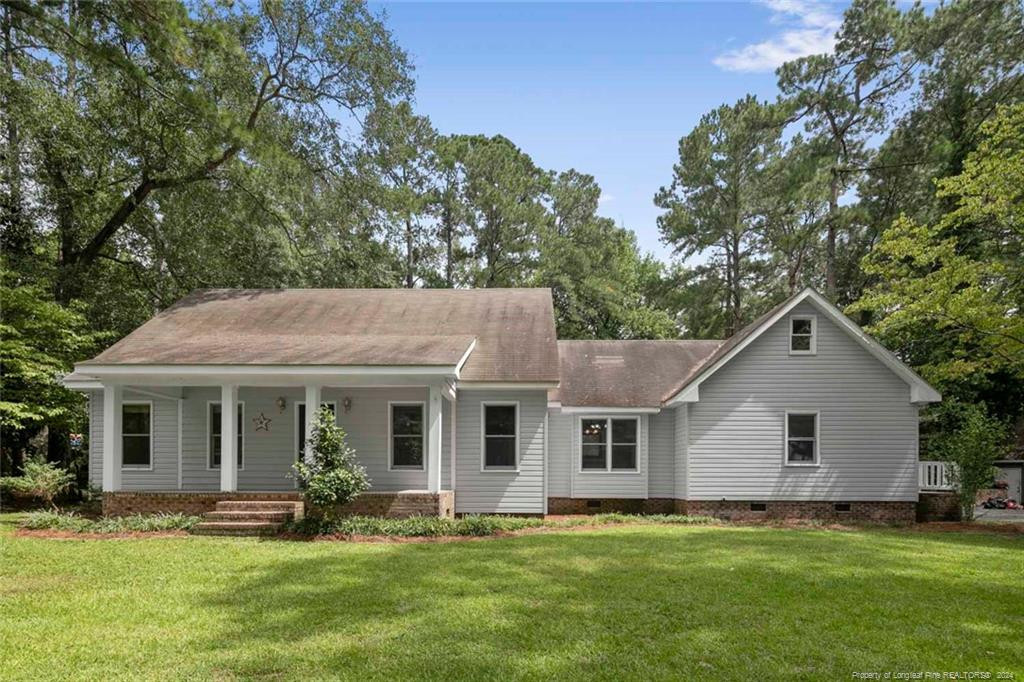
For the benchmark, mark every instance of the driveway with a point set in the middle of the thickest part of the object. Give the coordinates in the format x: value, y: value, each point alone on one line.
x: 998, y: 515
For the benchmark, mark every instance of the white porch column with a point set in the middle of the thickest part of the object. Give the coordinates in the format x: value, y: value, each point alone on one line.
x: 112, y: 398
x: 228, y: 438
x: 434, y: 439
x: 313, y: 395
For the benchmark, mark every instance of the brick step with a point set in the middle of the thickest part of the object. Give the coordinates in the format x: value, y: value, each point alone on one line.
x: 250, y: 515
x: 237, y: 528
x: 258, y: 505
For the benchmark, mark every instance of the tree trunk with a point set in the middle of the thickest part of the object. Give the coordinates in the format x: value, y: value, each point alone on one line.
x: 830, y: 236
x: 16, y: 237
x: 729, y: 317
x: 737, y: 288
x: 408, y: 254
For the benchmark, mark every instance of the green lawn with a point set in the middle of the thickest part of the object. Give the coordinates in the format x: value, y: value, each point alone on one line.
x: 652, y: 602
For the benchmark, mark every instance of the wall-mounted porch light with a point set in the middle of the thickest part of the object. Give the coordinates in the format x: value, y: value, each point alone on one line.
x: 346, y: 404
x: 281, y: 404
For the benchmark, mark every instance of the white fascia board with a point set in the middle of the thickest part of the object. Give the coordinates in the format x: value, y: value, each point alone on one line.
x: 101, y: 371
x: 597, y: 409
x: 81, y: 384
x: 465, y: 356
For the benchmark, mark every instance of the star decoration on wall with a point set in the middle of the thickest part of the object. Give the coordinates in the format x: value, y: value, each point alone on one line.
x: 262, y: 422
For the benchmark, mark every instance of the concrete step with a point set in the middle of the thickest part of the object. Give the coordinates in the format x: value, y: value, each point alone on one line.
x: 258, y: 505
x: 237, y: 528
x: 250, y: 515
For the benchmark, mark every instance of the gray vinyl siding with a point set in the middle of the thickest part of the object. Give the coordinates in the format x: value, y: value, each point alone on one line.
x: 559, y: 454
x: 500, y: 492
x: 680, y: 434
x: 867, y: 432
x: 661, y: 454
x: 164, y: 444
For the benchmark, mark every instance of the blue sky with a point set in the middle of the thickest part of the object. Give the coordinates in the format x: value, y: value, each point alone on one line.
x: 605, y: 88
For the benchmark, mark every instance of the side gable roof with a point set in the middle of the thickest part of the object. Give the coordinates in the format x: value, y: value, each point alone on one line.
x: 501, y: 335
x: 687, y: 389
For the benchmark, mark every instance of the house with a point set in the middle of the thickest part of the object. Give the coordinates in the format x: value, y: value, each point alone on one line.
x: 465, y: 402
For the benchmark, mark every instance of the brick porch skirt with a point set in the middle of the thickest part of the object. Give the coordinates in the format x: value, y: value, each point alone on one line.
x: 938, y: 506
x: 883, y: 512
x: 394, y: 505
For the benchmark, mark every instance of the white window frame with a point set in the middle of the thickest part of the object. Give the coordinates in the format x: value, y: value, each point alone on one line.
x: 608, y: 446
x: 300, y: 427
x: 152, y: 419
x: 209, y: 436
x: 817, y: 438
x: 391, y: 436
x: 483, y: 437
x: 814, y: 334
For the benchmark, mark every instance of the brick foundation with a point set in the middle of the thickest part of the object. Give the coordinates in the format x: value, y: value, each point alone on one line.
x: 402, y: 505
x: 878, y: 512
x: 393, y: 505
x: 881, y: 512
x: 944, y: 506
x: 570, y: 505
x: 126, y: 503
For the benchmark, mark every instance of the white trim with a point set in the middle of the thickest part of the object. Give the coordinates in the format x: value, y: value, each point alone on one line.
x: 483, y: 437
x: 505, y: 386
x: 152, y: 419
x: 554, y: 405
x: 300, y: 425
x: 465, y: 356
x: 544, y: 460
x: 454, y: 440
x: 608, y: 417
x: 423, y: 436
x: 813, y: 319
x: 209, y: 435
x: 89, y: 384
x: 817, y: 439
x: 920, y: 391
x: 152, y: 394
x: 181, y: 408
x: 272, y: 370
x: 612, y: 410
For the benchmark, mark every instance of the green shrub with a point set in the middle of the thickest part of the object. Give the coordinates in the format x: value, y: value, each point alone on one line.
x: 333, y: 477
x: 971, y: 440
x: 52, y: 520
x: 41, y: 480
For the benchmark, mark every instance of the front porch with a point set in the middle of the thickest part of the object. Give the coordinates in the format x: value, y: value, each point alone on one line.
x: 157, y: 447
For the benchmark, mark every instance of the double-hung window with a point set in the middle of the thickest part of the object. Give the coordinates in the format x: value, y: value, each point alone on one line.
x: 803, y: 332
x: 609, y: 444
x: 136, y: 435
x: 215, y: 434
x: 801, y: 438
x: 407, y: 436
x: 500, y: 436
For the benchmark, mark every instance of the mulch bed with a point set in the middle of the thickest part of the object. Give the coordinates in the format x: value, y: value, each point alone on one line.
x: 49, y: 534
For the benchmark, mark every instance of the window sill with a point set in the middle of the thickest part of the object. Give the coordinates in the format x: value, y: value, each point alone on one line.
x: 804, y: 465
x: 499, y: 470
x: 802, y: 352
x: 605, y: 472
x: 137, y: 468
x: 400, y: 467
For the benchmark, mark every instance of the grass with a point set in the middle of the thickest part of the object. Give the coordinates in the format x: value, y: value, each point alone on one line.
x: 425, y: 526
x: 633, y: 601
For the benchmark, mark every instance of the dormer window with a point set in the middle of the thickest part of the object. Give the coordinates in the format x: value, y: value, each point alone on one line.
x: 803, y: 331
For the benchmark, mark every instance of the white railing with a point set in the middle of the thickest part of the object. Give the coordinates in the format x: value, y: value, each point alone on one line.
x: 935, y: 476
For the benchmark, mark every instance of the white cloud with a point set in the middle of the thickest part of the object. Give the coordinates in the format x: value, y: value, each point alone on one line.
x: 605, y: 199
x: 810, y: 28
